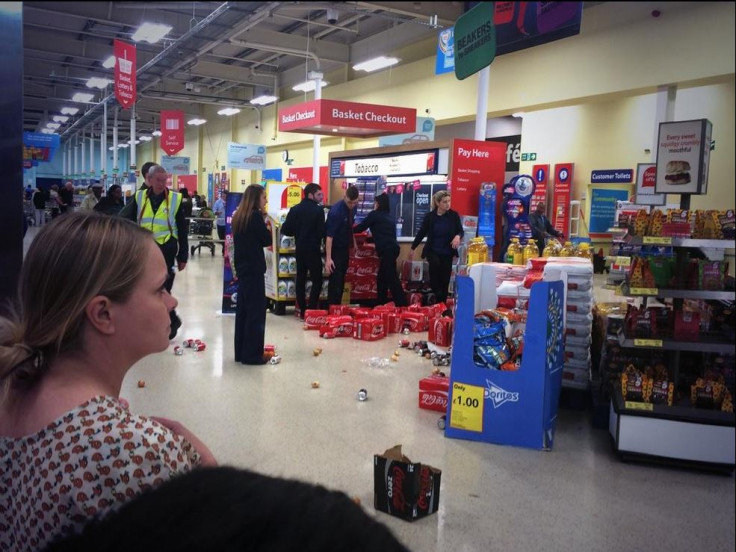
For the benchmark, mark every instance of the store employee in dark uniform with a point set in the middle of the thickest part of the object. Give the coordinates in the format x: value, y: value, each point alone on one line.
x: 306, y: 222
x: 338, y: 241
x: 444, y: 231
x: 159, y: 210
x: 383, y: 230
x: 541, y: 227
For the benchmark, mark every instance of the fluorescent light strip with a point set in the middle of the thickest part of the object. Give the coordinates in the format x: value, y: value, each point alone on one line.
x: 156, y: 133
x: 82, y: 97
x: 228, y: 111
x: 308, y: 86
x: 196, y: 122
x: 69, y: 110
x: 146, y: 138
x: 109, y: 63
x: 60, y: 118
x: 47, y: 131
x: 151, y: 32
x: 264, y: 99
x: 381, y: 62
x: 98, y: 82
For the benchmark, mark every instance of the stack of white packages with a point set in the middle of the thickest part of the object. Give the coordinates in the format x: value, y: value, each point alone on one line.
x: 578, y: 273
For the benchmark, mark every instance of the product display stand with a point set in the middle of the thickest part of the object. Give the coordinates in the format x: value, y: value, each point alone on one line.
x: 679, y: 433
x: 280, y: 277
x: 507, y: 407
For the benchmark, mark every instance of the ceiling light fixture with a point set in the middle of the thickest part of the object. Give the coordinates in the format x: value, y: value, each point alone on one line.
x: 98, y: 82
x: 308, y: 86
x: 381, y: 62
x: 264, y: 99
x: 82, y: 97
x: 109, y: 63
x: 69, y: 110
x: 146, y: 138
x: 228, y: 111
x: 156, y: 133
x: 47, y: 131
x: 61, y: 118
x: 53, y: 125
x: 196, y: 122
x: 151, y: 32
x: 518, y: 114
x: 122, y: 146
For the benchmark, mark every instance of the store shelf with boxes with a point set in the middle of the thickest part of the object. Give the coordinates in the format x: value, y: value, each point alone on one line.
x: 667, y: 365
x: 280, y: 277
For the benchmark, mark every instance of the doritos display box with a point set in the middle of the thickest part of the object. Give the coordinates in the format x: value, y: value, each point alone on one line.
x: 507, y: 407
x: 403, y: 488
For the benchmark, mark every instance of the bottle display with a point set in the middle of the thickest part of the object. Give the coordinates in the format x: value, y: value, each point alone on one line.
x: 583, y: 250
x: 552, y: 249
x: 477, y: 251
x: 531, y: 251
x: 515, y: 253
x: 568, y: 250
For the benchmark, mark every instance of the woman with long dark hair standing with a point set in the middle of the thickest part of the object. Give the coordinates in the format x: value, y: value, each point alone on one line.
x: 250, y: 236
x: 443, y: 230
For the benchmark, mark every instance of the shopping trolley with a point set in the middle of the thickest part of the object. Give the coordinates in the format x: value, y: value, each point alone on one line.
x: 200, y: 230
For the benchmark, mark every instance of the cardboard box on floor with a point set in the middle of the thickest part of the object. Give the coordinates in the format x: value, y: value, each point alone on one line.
x: 403, y: 488
x: 508, y: 408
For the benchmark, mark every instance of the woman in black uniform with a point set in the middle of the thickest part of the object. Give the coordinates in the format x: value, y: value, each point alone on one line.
x: 444, y: 231
x: 250, y: 236
x: 383, y: 230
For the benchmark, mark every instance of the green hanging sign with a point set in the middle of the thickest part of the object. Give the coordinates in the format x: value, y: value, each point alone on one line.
x: 475, y: 40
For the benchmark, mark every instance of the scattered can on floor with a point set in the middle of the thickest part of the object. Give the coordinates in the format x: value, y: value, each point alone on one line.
x: 199, y: 346
x: 275, y: 359
x: 404, y: 343
x: 362, y: 395
x: 315, y: 384
x: 178, y: 351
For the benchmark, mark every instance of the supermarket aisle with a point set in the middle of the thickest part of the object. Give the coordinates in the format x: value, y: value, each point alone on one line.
x: 578, y: 497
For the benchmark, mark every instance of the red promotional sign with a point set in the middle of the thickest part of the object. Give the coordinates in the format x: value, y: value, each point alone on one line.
x: 339, y: 118
x: 125, y: 69
x: 188, y: 181
x: 561, y: 199
x: 540, y: 174
x: 474, y: 162
x: 172, y: 131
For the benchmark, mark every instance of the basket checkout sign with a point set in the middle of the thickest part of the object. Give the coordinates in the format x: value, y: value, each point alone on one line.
x: 125, y: 70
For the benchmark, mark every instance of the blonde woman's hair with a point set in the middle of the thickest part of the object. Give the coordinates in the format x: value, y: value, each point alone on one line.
x: 437, y: 197
x: 73, y: 259
x: 250, y: 202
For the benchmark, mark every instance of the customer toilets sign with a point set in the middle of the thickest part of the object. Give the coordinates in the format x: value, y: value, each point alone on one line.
x: 475, y: 40
x: 125, y: 70
x: 339, y: 118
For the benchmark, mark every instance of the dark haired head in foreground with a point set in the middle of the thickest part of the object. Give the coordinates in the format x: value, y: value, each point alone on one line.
x: 226, y: 509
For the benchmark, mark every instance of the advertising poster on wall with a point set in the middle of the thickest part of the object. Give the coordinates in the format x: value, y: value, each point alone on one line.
x: 561, y: 198
x: 646, y: 179
x: 423, y: 133
x: 188, y: 181
x: 246, y: 156
x: 603, y: 202
x: 229, y: 280
x: 475, y: 163
x: 175, y: 165
x: 683, y: 155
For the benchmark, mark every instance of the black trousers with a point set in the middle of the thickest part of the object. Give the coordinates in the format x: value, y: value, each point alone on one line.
x: 310, y: 263
x: 440, y: 269
x: 337, y: 279
x: 221, y: 236
x: 169, y: 250
x: 388, y: 279
x: 250, y: 317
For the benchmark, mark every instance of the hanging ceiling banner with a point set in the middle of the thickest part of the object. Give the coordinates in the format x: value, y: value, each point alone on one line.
x: 125, y: 69
x: 172, y: 131
x: 338, y: 118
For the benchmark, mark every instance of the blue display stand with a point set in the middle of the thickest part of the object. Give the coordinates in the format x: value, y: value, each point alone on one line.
x: 508, y: 408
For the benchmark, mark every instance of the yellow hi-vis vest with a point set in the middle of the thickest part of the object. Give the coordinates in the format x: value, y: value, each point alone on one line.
x: 163, y: 222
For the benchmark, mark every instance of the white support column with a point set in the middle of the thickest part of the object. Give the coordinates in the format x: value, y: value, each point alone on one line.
x: 317, y: 137
x: 666, y: 96
x: 132, y: 137
x: 64, y: 156
x: 82, y: 168
x: 115, y: 145
x: 103, y: 145
x: 481, y: 110
x: 76, y: 157
x: 91, y: 152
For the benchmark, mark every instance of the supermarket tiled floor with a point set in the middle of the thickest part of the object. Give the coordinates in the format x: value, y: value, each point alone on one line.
x: 577, y: 497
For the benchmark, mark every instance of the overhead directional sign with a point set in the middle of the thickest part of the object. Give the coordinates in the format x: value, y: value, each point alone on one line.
x: 475, y: 40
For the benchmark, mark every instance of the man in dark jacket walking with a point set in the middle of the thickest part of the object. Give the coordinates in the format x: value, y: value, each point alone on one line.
x: 306, y: 222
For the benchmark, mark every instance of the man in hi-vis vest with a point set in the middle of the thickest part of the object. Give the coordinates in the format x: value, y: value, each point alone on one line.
x: 158, y: 209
